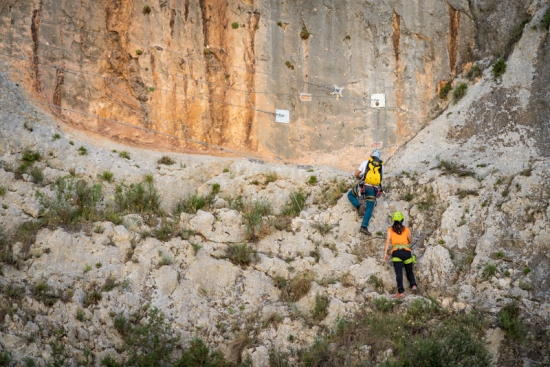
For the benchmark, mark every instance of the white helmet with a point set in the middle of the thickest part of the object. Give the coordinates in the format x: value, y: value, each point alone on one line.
x: 375, y: 153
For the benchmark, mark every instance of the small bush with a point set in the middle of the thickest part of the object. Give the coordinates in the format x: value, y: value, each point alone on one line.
x: 42, y: 292
x: 545, y: 21
x: 166, y: 161
x: 460, y: 92
x: 139, y: 52
x: 454, y: 169
x: 30, y: 157
x: 193, y: 203
x: 463, y: 193
x: 312, y: 180
x: 5, y: 358
x: 196, y: 247
x: 107, y: 176
x: 151, y: 89
x: 383, y: 304
x: 490, y: 269
x: 500, y: 255
x: 56, y: 136
x: 320, y: 310
x: 443, y: 92
x: 280, y: 23
x: 80, y: 315
x: 235, y: 25
x: 124, y: 154
x: 289, y: 65
x: 92, y: 297
x: 82, y: 150
x: 295, y: 204
x: 511, y: 323
x: 109, y: 361
x: 499, y: 68
x: 526, y: 270
x: 2, y: 191
x: 241, y: 254
x: 323, y: 227
x: 146, y: 9
x: 271, y: 177
x: 138, y: 198
x: 474, y: 72
x: 198, y: 355
x: 253, y: 217
x: 376, y: 283
x: 304, y: 34
x: 297, y: 287
x: 37, y: 175
x: 164, y: 259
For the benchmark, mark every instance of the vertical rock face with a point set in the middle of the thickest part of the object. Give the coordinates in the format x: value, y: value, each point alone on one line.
x: 199, y: 75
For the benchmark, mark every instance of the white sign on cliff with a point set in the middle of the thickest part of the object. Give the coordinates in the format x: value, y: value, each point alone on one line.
x: 282, y: 116
x: 378, y: 100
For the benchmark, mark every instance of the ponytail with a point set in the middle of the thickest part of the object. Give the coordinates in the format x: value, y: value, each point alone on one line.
x: 398, y: 227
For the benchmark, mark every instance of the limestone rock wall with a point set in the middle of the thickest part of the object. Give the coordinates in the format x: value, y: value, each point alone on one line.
x: 180, y: 74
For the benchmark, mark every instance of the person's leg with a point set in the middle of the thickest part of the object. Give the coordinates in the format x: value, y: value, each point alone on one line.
x: 370, y: 207
x: 410, y: 274
x: 398, y: 266
x: 353, y: 200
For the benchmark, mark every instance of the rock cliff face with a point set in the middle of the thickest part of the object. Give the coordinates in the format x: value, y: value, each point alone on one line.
x: 180, y: 74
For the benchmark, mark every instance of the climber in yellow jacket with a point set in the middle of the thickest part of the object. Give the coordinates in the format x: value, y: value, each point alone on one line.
x: 400, y: 238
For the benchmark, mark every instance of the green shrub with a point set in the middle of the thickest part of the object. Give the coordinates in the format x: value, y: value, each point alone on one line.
x: 37, y: 175
x: 511, y: 323
x: 460, y: 92
x: 295, y: 204
x: 490, y: 269
x: 463, y: 193
x: 166, y: 161
x: 42, y: 292
x: 92, y: 297
x: 198, y: 355
x: 499, y: 68
x: 146, y: 9
x: 109, y: 361
x: 545, y: 21
x: 376, y: 283
x: 2, y: 191
x: 253, y: 218
x: 320, y: 310
x: 312, y: 180
x: 526, y: 270
x: 82, y: 150
x: 474, y: 72
x: 304, y: 34
x: 80, y: 315
x: 450, y: 168
x: 443, y: 92
x: 241, y: 254
x: 56, y: 136
x: 216, y: 189
x: 5, y: 358
x: 383, y: 304
x: 271, y: 177
x: 193, y: 203
x: 124, y: 154
x: 322, y: 227
x: 297, y: 287
x: 235, y: 25
x: 289, y: 65
x: 107, y: 176
x: 139, y: 52
x: 138, y: 198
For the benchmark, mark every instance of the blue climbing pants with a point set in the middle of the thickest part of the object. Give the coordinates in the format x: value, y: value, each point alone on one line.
x: 369, y: 192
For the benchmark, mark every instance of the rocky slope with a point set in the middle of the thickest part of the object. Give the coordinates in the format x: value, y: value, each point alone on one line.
x: 213, y: 72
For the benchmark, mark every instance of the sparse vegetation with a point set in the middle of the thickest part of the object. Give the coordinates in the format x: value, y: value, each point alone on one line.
x: 235, y: 25
x: 82, y: 150
x: 56, y: 136
x: 2, y: 191
x: 443, y: 92
x: 462, y: 193
x: 124, y: 154
x: 312, y: 180
x: 296, y: 288
x: 107, y: 176
x: 304, y: 34
x: 490, y: 269
x: 253, y: 214
x: 545, y: 21
x: 164, y: 259
x: 241, y: 254
x: 139, y: 52
x: 289, y: 65
x: 320, y: 310
x: 138, y: 198
x: 511, y: 323
x: 146, y: 10
x: 460, y: 92
x: 450, y: 168
x: 166, y: 161
x: 499, y: 68
x: 295, y: 204
x: 474, y: 72
x: 322, y: 227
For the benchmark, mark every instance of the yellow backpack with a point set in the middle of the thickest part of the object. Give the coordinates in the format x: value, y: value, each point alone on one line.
x: 373, y: 176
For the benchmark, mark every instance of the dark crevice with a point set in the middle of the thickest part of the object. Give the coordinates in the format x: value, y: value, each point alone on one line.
x: 35, y: 34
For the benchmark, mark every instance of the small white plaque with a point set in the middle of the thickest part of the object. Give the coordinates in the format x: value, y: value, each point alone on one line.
x: 378, y: 100
x: 282, y: 116
x: 304, y: 97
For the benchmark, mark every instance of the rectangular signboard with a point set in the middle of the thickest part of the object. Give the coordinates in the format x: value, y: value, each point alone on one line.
x: 377, y: 145
x: 282, y: 116
x: 378, y: 100
x: 304, y: 97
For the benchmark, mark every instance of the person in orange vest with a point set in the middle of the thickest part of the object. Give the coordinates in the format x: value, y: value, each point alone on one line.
x: 370, y: 175
x: 400, y: 238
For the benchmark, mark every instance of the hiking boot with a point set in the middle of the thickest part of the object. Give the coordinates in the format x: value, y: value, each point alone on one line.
x: 414, y: 288
x: 365, y: 230
x: 399, y: 295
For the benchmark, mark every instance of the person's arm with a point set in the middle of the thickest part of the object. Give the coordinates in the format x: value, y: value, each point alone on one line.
x: 358, y: 174
x: 409, y: 237
x: 381, y: 176
x: 388, y: 237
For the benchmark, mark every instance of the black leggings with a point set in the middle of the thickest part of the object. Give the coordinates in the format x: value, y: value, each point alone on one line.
x: 398, y: 266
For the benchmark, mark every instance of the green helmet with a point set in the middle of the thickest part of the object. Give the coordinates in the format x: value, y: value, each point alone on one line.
x: 397, y: 217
